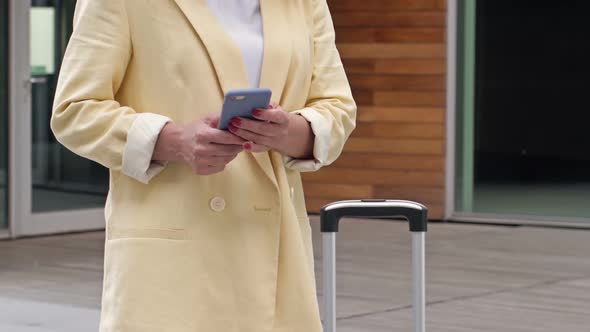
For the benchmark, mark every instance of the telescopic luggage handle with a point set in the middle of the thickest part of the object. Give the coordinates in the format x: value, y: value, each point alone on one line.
x: 417, y: 216
x: 415, y: 213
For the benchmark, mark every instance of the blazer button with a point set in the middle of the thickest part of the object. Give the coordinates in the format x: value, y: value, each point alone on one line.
x: 217, y: 204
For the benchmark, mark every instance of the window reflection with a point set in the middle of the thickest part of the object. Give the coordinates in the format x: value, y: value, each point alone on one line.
x: 523, y: 142
x: 61, y: 180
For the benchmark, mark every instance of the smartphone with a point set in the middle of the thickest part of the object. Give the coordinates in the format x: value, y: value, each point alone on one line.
x: 241, y: 103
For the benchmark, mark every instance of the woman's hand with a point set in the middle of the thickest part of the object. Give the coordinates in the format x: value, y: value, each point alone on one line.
x: 200, y: 144
x: 278, y: 130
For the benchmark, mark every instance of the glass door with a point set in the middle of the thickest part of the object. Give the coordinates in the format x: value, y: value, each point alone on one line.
x: 60, y: 190
x: 522, y: 145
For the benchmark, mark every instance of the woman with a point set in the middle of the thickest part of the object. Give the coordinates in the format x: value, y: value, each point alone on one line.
x: 206, y: 230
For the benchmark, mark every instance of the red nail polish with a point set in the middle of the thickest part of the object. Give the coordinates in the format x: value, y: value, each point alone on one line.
x: 257, y: 112
x: 232, y: 128
x: 236, y: 122
x: 247, y: 146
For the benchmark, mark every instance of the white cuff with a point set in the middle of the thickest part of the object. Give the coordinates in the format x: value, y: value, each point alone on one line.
x: 321, y: 146
x: 141, y: 141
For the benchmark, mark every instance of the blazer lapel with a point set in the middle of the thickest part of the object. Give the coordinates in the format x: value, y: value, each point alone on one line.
x: 277, y: 47
x: 275, y: 64
x: 227, y: 59
x: 225, y: 55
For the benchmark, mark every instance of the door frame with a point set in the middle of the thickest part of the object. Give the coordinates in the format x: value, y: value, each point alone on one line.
x: 22, y: 221
x: 450, y: 213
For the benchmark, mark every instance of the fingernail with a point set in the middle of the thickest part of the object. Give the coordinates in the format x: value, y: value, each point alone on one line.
x: 257, y: 112
x: 231, y: 127
x: 236, y: 122
x: 247, y: 146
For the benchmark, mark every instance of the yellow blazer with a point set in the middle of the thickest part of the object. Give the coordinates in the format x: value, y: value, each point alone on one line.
x: 221, y: 253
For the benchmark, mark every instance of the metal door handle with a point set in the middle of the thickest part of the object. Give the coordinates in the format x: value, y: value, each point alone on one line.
x: 38, y: 80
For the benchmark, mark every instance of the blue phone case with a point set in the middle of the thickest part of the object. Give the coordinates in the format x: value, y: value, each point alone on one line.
x: 241, y: 103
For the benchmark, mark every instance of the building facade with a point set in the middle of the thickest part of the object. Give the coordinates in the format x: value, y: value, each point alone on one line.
x: 474, y: 108
x: 395, y: 56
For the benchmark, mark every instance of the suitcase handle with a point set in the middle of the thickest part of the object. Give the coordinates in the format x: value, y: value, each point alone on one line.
x: 417, y: 214
x: 330, y: 216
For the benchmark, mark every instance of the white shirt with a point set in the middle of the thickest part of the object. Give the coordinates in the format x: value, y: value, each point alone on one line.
x: 242, y: 20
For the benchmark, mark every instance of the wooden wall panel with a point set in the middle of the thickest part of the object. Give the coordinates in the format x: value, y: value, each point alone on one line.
x: 391, y: 51
x: 394, y: 53
x: 382, y: 5
x: 395, y: 66
x: 402, y: 19
x: 391, y: 35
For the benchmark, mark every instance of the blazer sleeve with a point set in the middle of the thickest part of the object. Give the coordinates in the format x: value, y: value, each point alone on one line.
x: 87, y: 119
x: 330, y: 108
